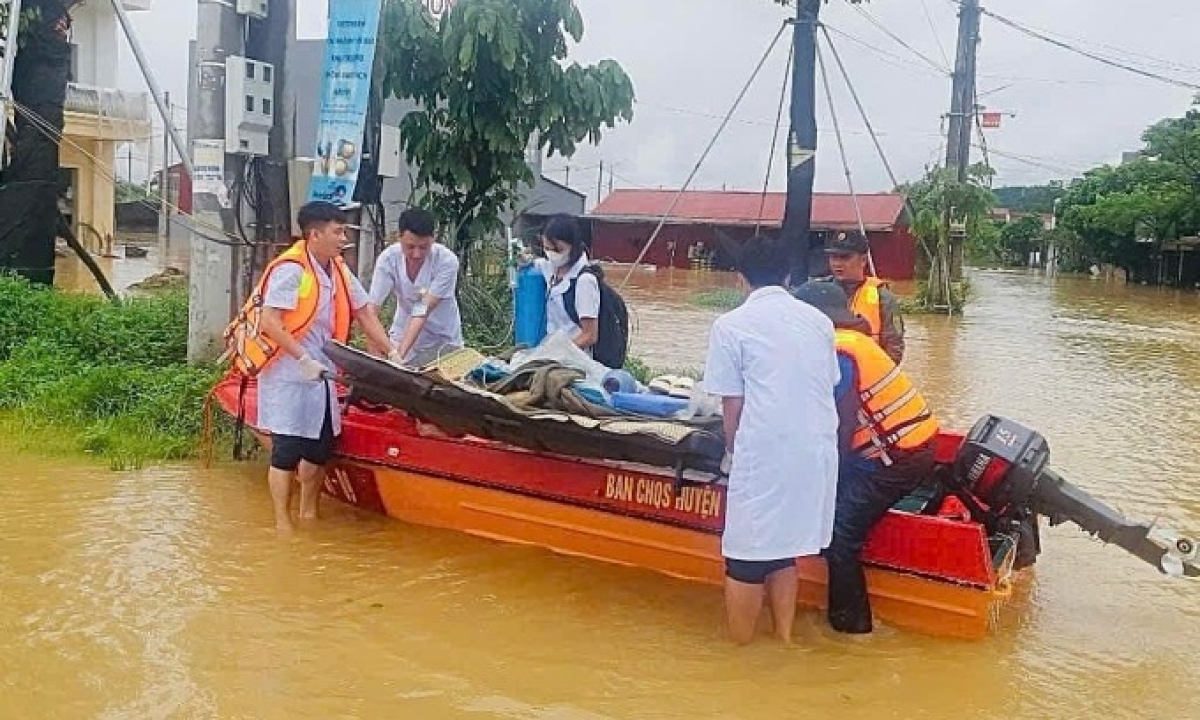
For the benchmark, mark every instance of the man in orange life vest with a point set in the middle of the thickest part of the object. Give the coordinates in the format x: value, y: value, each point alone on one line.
x: 309, y: 298
x: 885, y: 438
x: 869, y: 296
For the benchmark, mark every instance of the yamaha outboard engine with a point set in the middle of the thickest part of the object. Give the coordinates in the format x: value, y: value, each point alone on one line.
x: 999, y: 464
x: 995, y: 475
x: 1000, y: 473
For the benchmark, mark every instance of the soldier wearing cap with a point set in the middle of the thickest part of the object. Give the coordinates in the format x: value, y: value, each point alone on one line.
x: 869, y: 296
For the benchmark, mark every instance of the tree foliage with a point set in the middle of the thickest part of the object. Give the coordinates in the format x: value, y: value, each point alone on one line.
x: 491, y: 82
x: 1121, y: 212
x: 939, y: 196
x: 1020, y: 238
x: 1032, y: 198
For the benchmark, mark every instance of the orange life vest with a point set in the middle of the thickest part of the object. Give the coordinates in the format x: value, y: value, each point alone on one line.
x: 865, y: 302
x: 251, y: 350
x: 892, y: 414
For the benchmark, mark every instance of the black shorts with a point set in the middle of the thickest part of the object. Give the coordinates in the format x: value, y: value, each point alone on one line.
x: 755, y: 572
x: 288, y: 450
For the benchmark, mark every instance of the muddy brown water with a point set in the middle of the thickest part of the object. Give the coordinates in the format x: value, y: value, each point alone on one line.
x: 163, y: 592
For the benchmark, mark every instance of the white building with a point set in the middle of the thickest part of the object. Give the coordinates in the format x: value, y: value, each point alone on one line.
x: 99, y: 118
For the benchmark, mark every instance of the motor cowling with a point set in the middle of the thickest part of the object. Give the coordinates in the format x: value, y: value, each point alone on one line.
x: 999, y: 463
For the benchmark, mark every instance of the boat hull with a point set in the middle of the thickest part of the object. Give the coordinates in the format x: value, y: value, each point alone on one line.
x: 926, y: 574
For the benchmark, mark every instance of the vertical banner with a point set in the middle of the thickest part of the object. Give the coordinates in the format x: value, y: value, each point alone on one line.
x: 345, y: 93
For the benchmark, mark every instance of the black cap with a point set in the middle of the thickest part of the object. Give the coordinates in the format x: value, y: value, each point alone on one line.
x: 848, y: 242
x: 831, y: 299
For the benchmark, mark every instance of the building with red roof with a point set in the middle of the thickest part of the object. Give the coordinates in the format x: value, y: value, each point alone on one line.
x: 707, y: 221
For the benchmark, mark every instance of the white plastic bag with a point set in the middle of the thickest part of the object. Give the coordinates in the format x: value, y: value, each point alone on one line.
x: 700, y: 404
x: 560, y: 348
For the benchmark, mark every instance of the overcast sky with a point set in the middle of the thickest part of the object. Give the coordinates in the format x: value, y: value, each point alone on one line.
x: 689, y: 58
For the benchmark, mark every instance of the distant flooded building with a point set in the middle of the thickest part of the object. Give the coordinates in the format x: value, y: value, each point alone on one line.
x: 626, y: 219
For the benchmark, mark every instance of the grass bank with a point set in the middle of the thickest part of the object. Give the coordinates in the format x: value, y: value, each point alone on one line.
x: 78, y: 372
x: 81, y: 374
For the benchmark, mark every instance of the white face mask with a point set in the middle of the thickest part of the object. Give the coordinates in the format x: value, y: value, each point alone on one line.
x: 557, y: 259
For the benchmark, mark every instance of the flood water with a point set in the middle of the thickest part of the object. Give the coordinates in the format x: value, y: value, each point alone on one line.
x: 164, y: 593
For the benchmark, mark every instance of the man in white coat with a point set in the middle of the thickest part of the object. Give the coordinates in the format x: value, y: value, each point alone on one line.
x: 423, y: 275
x: 773, y: 363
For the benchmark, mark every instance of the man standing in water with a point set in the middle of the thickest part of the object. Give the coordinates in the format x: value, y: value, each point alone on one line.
x: 886, y: 437
x: 772, y: 362
x: 869, y: 296
x: 309, y: 298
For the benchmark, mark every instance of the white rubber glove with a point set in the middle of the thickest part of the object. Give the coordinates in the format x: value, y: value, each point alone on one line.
x: 726, y: 464
x: 311, y: 369
x: 395, y: 356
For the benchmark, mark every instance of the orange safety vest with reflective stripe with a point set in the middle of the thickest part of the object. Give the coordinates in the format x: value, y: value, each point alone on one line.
x: 251, y: 350
x: 866, y: 303
x: 892, y: 415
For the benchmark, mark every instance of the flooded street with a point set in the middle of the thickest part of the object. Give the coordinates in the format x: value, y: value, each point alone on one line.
x: 164, y: 593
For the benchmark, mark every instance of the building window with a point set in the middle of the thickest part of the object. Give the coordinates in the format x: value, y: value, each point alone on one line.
x: 266, y: 73
x: 250, y: 103
x: 266, y: 106
x: 249, y: 71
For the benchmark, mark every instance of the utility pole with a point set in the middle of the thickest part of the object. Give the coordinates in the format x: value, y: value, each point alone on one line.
x: 567, y: 179
x: 962, y: 117
x: 600, y: 183
x: 272, y: 38
x: 802, y: 139
x: 164, y: 207
x: 213, y: 265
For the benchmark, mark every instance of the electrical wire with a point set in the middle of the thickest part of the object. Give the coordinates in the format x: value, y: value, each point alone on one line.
x: 783, y: 95
x: 898, y: 61
x: 703, y: 156
x: 933, y: 31
x: 53, y: 133
x: 842, y: 151
x: 899, y: 40
x: 1037, y: 35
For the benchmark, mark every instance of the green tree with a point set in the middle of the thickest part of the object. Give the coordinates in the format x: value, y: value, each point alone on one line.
x: 1019, y: 238
x: 492, y: 81
x: 934, y: 198
x: 1120, y: 211
x: 1032, y: 198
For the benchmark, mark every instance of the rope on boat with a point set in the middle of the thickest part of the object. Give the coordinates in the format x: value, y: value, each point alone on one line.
x: 207, y: 441
x: 704, y: 156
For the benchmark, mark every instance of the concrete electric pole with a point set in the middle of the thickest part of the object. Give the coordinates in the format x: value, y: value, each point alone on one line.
x: 962, y: 115
x: 214, y: 262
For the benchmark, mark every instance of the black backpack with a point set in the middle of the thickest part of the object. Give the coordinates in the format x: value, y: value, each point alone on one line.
x: 612, y: 344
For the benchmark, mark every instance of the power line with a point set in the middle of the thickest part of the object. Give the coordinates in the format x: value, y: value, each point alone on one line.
x: 1025, y: 30
x: 933, y: 30
x: 884, y: 29
x: 1153, y: 60
x: 896, y: 60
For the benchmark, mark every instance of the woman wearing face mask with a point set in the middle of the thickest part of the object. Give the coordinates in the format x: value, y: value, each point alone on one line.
x: 572, y: 292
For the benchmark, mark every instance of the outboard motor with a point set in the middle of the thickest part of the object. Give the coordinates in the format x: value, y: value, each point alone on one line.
x: 1000, y: 474
x: 999, y: 465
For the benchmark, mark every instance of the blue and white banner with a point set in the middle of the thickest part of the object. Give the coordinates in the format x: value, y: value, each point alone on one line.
x: 345, y: 93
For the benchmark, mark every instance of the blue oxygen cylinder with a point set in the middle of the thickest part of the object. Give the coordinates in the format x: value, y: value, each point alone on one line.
x: 529, y: 306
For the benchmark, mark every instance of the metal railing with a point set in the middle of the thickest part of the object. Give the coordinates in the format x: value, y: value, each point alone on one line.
x: 108, y: 103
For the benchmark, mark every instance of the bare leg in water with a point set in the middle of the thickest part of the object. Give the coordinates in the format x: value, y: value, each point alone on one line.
x: 311, y: 476
x: 782, y: 588
x: 743, y: 605
x: 280, y: 482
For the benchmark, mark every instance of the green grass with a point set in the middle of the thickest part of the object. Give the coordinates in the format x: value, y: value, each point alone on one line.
x: 79, y: 373
x: 718, y: 299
